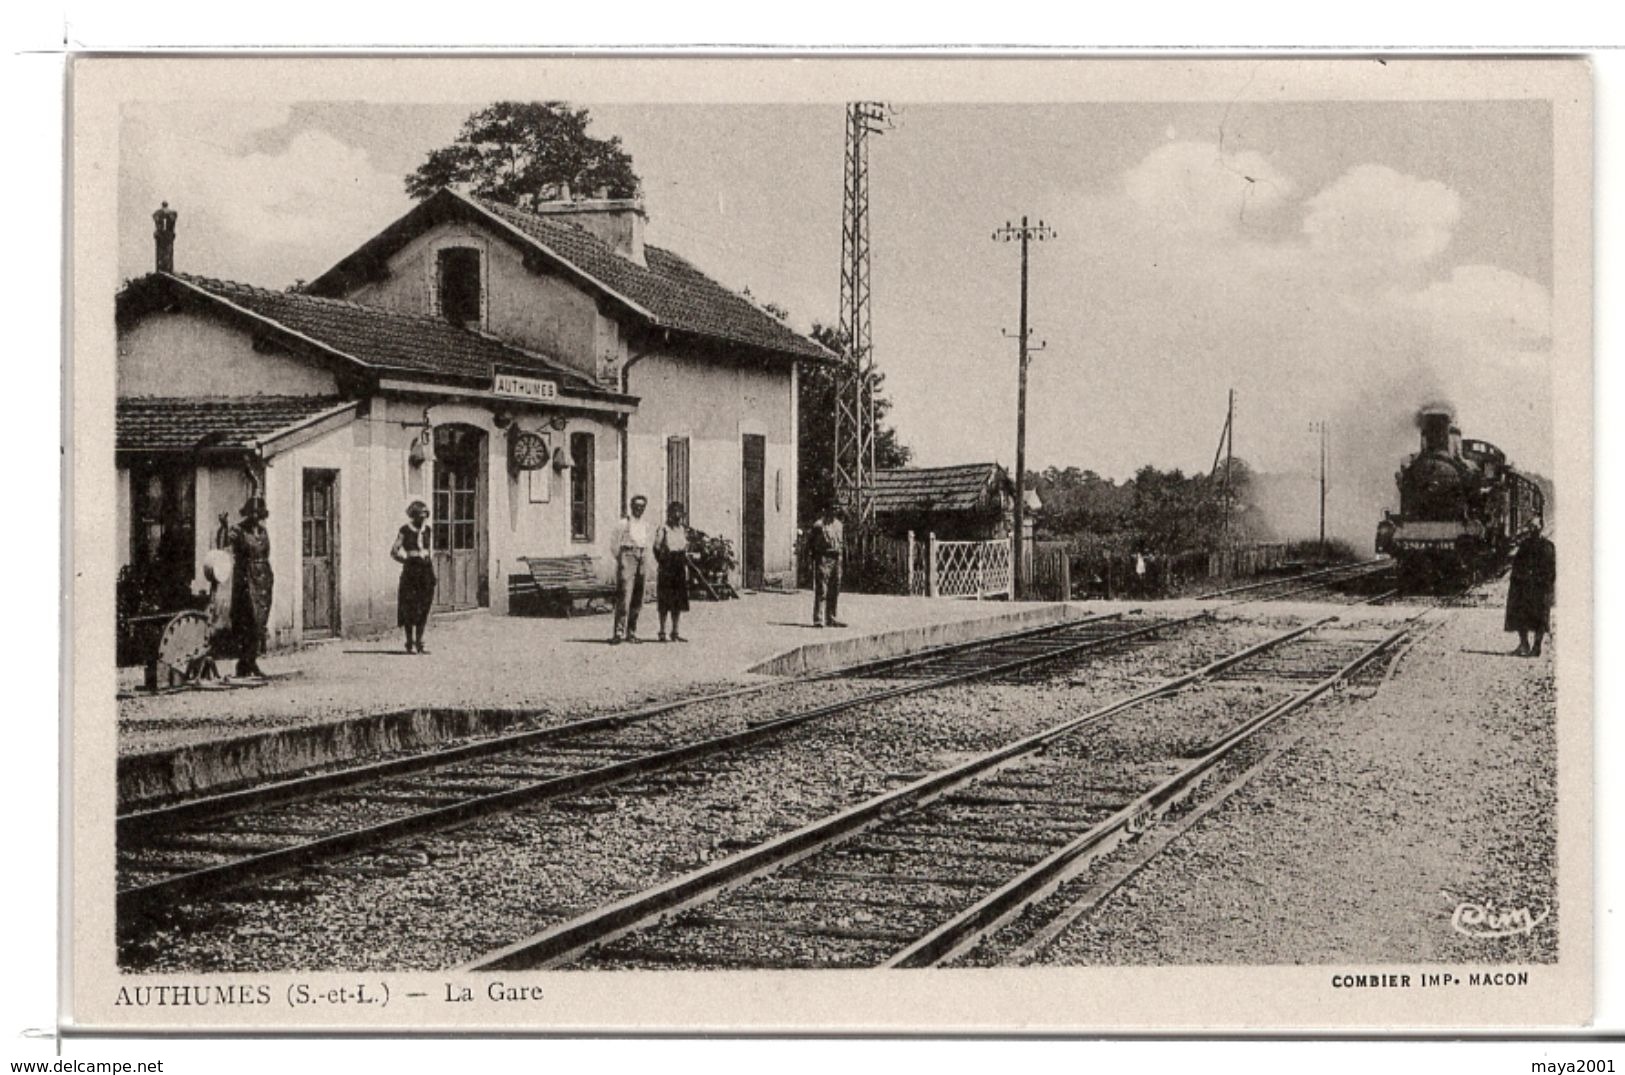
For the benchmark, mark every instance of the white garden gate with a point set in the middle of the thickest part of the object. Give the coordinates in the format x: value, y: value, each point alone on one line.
x: 974, y: 569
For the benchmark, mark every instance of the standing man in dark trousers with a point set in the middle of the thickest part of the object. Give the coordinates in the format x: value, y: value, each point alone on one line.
x: 827, y: 547
x: 1529, y: 595
x: 631, y: 548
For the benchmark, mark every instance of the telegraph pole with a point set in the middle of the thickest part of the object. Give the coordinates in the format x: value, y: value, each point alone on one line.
x: 1229, y: 455
x: 1025, y: 233
x: 1323, y: 435
x: 1321, y: 428
x: 1226, y: 447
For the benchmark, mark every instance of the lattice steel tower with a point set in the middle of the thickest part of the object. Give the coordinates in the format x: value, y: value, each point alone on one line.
x: 854, y: 388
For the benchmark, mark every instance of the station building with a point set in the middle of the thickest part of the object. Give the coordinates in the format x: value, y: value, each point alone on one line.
x: 524, y: 372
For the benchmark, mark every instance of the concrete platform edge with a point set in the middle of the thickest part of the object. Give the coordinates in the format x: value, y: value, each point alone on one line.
x: 842, y: 652
x: 152, y: 777
x: 240, y: 760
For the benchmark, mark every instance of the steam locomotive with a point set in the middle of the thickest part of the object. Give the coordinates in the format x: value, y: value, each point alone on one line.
x: 1462, y: 507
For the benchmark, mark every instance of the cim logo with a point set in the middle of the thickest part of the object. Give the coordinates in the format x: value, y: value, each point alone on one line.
x: 1484, y: 920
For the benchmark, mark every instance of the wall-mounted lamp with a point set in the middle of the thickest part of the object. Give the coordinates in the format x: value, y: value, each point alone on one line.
x: 557, y: 423
x: 502, y: 419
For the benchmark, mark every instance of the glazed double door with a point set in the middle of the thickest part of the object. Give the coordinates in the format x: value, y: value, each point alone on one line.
x: 459, y: 508
x: 319, y: 531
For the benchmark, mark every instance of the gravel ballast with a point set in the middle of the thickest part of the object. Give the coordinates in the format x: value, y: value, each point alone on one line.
x: 452, y: 895
x: 1359, y: 843
x: 447, y: 898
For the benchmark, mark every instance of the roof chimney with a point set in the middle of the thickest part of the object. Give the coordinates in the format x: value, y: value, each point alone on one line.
x: 164, y: 236
x: 616, y: 221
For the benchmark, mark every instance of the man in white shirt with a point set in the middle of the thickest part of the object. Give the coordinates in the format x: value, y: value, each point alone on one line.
x: 630, y: 547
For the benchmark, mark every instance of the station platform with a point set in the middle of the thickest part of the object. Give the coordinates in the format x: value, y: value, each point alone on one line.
x: 349, y: 699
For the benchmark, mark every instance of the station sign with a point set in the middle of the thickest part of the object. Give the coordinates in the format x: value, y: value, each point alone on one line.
x: 518, y: 386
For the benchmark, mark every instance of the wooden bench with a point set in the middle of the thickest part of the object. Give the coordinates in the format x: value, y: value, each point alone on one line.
x: 558, y: 581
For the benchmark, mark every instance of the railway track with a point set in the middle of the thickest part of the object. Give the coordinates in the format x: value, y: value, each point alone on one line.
x: 193, y: 850
x: 920, y: 875
x: 1367, y: 581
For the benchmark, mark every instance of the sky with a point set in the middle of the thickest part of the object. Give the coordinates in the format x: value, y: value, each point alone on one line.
x: 1343, y: 262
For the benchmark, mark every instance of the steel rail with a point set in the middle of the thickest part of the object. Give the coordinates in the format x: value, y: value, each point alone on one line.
x: 135, y: 827
x: 1293, y: 578
x: 1040, y: 942
x: 1152, y: 845
x: 563, y: 942
x: 140, y: 902
x: 964, y: 931
x: 1323, y: 584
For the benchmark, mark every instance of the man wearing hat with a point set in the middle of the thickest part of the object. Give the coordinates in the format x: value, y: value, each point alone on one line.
x: 630, y: 547
x: 826, y: 544
x: 251, y: 584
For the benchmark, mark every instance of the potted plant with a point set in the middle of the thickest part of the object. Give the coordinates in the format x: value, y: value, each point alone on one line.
x: 714, y: 559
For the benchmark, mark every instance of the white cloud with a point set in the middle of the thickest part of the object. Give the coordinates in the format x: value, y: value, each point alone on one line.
x: 1194, y: 187
x: 313, y: 188
x: 1375, y: 214
x: 1356, y: 318
x: 302, y: 193
x: 1482, y: 305
x: 246, y: 214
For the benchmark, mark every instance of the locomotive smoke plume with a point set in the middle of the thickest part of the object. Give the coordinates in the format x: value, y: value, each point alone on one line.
x: 1374, y: 410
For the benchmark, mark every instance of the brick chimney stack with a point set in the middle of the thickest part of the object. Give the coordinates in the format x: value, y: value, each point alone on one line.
x: 164, y: 236
x: 617, y: 221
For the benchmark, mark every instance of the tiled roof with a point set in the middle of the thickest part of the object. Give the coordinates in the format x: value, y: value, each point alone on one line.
x: 193, y: 423
x: 957, y: 488
x: 388, y: 339
x: 672, y: 292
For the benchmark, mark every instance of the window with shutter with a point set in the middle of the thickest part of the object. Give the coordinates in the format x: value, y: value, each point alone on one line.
x: 677, y: 471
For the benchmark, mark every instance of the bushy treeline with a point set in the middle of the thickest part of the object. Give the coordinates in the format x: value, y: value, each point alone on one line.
x: 1156, y: 511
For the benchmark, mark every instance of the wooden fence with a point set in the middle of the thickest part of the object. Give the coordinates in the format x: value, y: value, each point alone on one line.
x: 1049, y: 570
x: 1242, y: 561
x: 1129, y: 576
x: 876, y: 563
x: 927, y: 567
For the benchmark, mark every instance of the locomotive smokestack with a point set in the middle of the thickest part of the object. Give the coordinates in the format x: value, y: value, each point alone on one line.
x: 1435, y: 431
x: 1427, y: 409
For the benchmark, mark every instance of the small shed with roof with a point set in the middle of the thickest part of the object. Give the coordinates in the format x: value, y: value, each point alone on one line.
x: 965, y: 502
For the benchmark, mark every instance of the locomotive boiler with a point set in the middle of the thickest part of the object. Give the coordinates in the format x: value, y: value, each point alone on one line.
x: 1462, y: 507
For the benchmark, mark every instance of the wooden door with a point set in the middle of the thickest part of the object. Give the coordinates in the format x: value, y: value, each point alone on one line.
x: 319, y: 525
x: 459, y: 543
x: 754, y: 536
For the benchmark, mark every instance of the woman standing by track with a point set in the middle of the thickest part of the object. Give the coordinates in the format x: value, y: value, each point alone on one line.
x: 412, y: 551
x: 251, y: 584
x: 1529, y: 594
x: 671, y: 554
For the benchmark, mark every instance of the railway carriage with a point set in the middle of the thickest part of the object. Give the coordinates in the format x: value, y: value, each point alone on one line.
x: 1462, y: 508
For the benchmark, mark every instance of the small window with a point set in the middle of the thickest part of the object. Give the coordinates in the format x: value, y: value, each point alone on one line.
x: 581, y: 486
x: 460, y: 285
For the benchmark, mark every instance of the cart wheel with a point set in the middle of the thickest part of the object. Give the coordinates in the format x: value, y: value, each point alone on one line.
x: 183, y: 646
